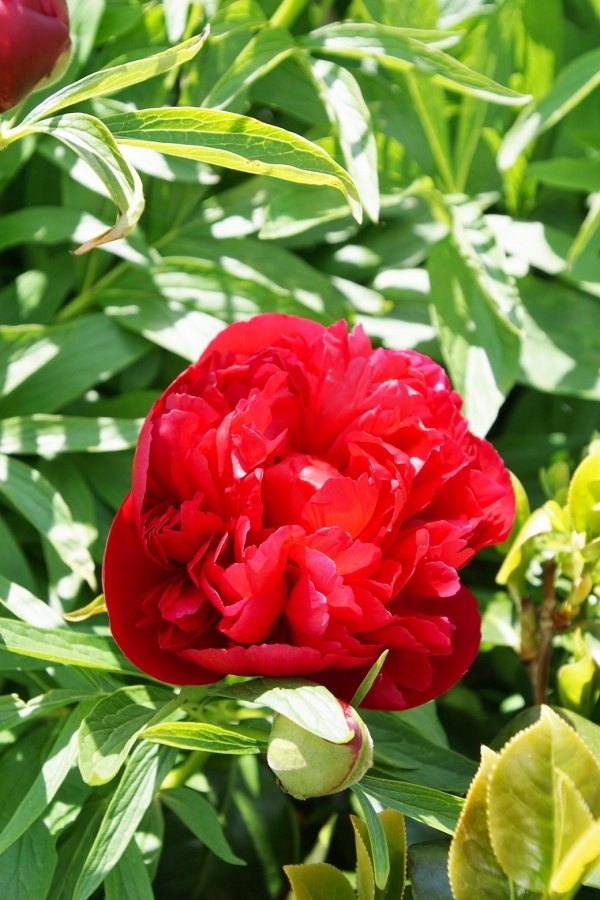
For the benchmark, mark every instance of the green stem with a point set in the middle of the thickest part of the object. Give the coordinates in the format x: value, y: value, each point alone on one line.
x: 286, y: 13
x: 179, y: 776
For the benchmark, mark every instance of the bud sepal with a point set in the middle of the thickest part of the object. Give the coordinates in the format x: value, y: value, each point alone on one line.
x: 310, y: 766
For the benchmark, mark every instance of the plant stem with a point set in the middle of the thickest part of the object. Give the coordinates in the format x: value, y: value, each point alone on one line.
x: 540, y: 666
x: 286, y: 13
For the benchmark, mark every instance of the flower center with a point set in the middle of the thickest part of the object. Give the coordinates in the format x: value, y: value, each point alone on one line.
x: 289, y: 485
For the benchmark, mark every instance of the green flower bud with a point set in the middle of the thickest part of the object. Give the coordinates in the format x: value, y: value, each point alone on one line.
x: 310, y: 766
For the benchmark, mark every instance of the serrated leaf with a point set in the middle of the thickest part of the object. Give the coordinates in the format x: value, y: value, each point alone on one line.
x: 91, y: 140
x: 398, y: 48
x: 204, y: 736
x: 573, y: 84
x: 201, y: 818
x: 395, y: 833
x: 471, y: 858
x: 144, y: 773
x: 55, y: 769
x: 319, y: 881
x: 107, y: 81
x: 426, y: 805
x: 37, y: 501
x: 365, y: 879
x: 109, y: 731
x: 542, y: 796
x: 581, y: 859
x: 65, y: 647
x: 584, y: 495
x: 311, y: 706
x: 236, y: 142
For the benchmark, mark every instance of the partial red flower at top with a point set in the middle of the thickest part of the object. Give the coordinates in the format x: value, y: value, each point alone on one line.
x: 34, y: 34
x: 302, y: 502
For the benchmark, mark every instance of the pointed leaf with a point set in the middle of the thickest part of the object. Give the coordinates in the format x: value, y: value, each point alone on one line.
x: 37, y: 501
x: 264, y: 51
x: 426, y: 805
x: 374, y: 837
x: 398, y: 48
x: 236, y: 142
x: 95, y: 145
x: 203, y: 736
x: 201, y: 818
x: 144, y: 773
x: 573, y: 84
x: 109, y: 731
x: 319, y: 881
x: 309, y: 705
x: 544, y: 780
x: 107, y: 81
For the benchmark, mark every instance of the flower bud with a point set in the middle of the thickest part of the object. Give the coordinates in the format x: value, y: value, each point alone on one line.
x: 310, y: 766
x: 34, y: 36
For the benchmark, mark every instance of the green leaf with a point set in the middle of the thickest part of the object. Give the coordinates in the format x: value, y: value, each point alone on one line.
x: 49, y: 225
x: 107, y: 81
x: 44, y: 368
x: 109, y: 731
x: 42, y: 506
x: 426, y: 805
x: 427, y: 867
x: 410, y: 756
x: 542, y: 797
x: 581, y: 859
x: 365, y: 880
x: 64, y: 646
x: 399, y: 49
x: 75, y: 844
x: 471, y: 858
x: 201, y: 818
x: 129, y: 880
x: 94, y: 144
x: 476, y: 307
x: 236, y: 142
x: 26, y: 868
x: 574, y: 83
x: 368, y: 681
x: 395, y: 834
x: 374, y: 837
x: 60, y: 759
x: 584, y: 495
x: 351, y: 118
x: 579, y: 174
x: 264, y: 52
x: 560, y: 351
x: 319, y: 881
x: 204, y: 736
x: 50, y: 435
x: 143, y: 775
x: 13, y: 710
x: 311, y: 706
x: 27, y: 607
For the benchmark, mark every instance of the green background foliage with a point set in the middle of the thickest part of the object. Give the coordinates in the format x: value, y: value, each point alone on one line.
x: 428, y: 169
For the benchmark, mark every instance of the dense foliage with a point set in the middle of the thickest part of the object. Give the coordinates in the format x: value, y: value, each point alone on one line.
x: 429, y: 169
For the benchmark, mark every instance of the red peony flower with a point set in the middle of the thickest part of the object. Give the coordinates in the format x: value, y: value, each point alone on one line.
x: 300, y: 503
x: 34, y: 34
